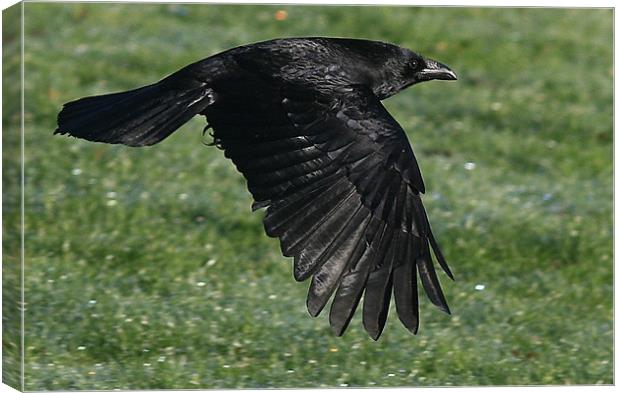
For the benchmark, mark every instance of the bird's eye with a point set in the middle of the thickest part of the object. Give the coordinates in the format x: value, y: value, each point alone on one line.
x: 413, y: 63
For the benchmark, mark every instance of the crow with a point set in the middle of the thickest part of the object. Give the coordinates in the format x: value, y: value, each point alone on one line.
x: 302, y: 120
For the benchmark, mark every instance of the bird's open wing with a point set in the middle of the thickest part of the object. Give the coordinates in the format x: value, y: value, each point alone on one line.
x: 342, y: 191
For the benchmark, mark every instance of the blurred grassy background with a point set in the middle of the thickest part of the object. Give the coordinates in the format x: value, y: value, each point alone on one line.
x: 146, y: 269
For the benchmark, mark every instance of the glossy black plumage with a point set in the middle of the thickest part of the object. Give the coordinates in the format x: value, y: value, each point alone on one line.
x: 302, y: 120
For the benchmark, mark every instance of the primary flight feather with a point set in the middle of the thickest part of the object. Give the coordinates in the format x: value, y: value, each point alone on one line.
x: 302, y: 120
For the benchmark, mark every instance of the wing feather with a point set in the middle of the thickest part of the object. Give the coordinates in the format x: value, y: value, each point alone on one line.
x: 353, y: 282
x: 327, y: 278
x: 281, y: 213
x: 429, y: 278
x: 378, y: 290
x: 406, y: 288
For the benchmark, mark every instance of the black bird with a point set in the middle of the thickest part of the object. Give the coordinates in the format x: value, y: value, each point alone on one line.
x: 302, y: 119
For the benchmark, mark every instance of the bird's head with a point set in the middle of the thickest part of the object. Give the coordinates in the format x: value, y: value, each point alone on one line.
x: 409, y: 68
x: 418, y: 69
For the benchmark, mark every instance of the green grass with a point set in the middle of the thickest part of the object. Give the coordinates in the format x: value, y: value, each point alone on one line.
x: 145, y: 268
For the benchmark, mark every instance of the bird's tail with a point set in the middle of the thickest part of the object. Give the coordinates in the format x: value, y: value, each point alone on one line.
x: 139, y: 117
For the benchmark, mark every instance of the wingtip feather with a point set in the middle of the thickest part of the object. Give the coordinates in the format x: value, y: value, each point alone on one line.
x: 445, y: 309
x: 439, y: 254
x: 314, y: 307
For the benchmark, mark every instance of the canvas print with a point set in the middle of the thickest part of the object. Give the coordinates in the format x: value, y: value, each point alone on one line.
x: 202, y: 196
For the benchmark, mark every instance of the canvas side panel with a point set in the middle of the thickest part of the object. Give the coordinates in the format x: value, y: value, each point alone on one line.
x: 11, y: 197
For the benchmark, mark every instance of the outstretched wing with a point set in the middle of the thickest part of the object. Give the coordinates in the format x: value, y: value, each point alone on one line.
x: 342, y: 190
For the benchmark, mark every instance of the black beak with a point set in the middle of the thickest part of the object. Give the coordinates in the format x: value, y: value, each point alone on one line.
x: 435, y: 70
